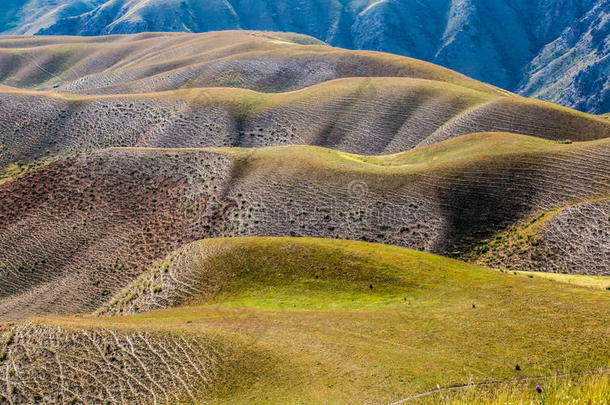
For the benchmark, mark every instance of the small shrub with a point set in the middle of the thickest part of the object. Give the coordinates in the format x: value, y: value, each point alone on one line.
x: 11, y: 338
x: 482, y: 249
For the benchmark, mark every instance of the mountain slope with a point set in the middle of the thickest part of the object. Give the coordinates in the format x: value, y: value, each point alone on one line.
x: 94, y: 222
x: 79, y: 214
x: 574, y: 69
x: 490, y: 40
x: 244, y: 320
x: 146, y: 90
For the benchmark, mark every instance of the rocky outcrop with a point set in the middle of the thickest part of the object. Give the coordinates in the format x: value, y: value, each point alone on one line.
x: 574, y: 69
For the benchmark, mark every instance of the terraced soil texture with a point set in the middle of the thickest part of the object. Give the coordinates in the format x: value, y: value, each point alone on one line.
x: 300, y: 94
x: 136, y: 205
x: 132, y: 169
x: 555, y: 50
x: 357, y: 115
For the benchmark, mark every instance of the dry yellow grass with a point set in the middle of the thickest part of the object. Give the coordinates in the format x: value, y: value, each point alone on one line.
x: 53, y: 60
x: 597, y: 282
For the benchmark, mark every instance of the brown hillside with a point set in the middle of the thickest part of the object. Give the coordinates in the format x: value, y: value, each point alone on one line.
x: 78, y: 220
x: 76, y: 231
x: 211, y: 196
x: 243, y: 320
x: 572, y: 239
x: 357, y: 115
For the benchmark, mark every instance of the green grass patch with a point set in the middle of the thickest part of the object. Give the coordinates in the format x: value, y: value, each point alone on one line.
x: 427, y: 321
x: 466, y: 150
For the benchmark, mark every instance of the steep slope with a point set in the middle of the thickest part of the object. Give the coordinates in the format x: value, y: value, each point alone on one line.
x: 94, y: 222
x: 353, y: 319
x: 576, y: 236
x: 534, y: 47
x: 31, y: 16
x: 8, y: 12
x: 574, y: 69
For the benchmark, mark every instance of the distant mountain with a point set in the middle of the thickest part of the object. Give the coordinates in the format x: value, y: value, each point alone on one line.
x: 556, y: 50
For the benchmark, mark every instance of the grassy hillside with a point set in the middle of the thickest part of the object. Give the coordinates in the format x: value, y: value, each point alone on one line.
x: 247, y: 89
x: 598, y: 282
x: 355, y: 320
x: 134, y: 205
x: 163, y: 61
x: 555, y: 241
x: 158, y: 194
x: 587, y: 388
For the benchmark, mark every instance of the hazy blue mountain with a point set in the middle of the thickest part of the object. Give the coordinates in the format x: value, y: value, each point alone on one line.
x: 552, y: 49
x: 574, y: 69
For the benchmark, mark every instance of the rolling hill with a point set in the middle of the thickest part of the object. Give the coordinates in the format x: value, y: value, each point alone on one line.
x: 95, y: 187
x: 93, y: 222
x: 221, y: 217
x: 555, y: 50
x: 162, y: 90
x: 149, y: 62
x: 403, y: 113
x: 247, y: 320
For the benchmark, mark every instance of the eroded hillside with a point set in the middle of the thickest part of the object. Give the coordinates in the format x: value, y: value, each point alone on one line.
x: 340, y: 114
x: 67, y: 95
x: 460, y: 177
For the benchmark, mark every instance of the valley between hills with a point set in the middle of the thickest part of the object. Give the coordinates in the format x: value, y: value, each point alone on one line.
x: 257, y: 217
